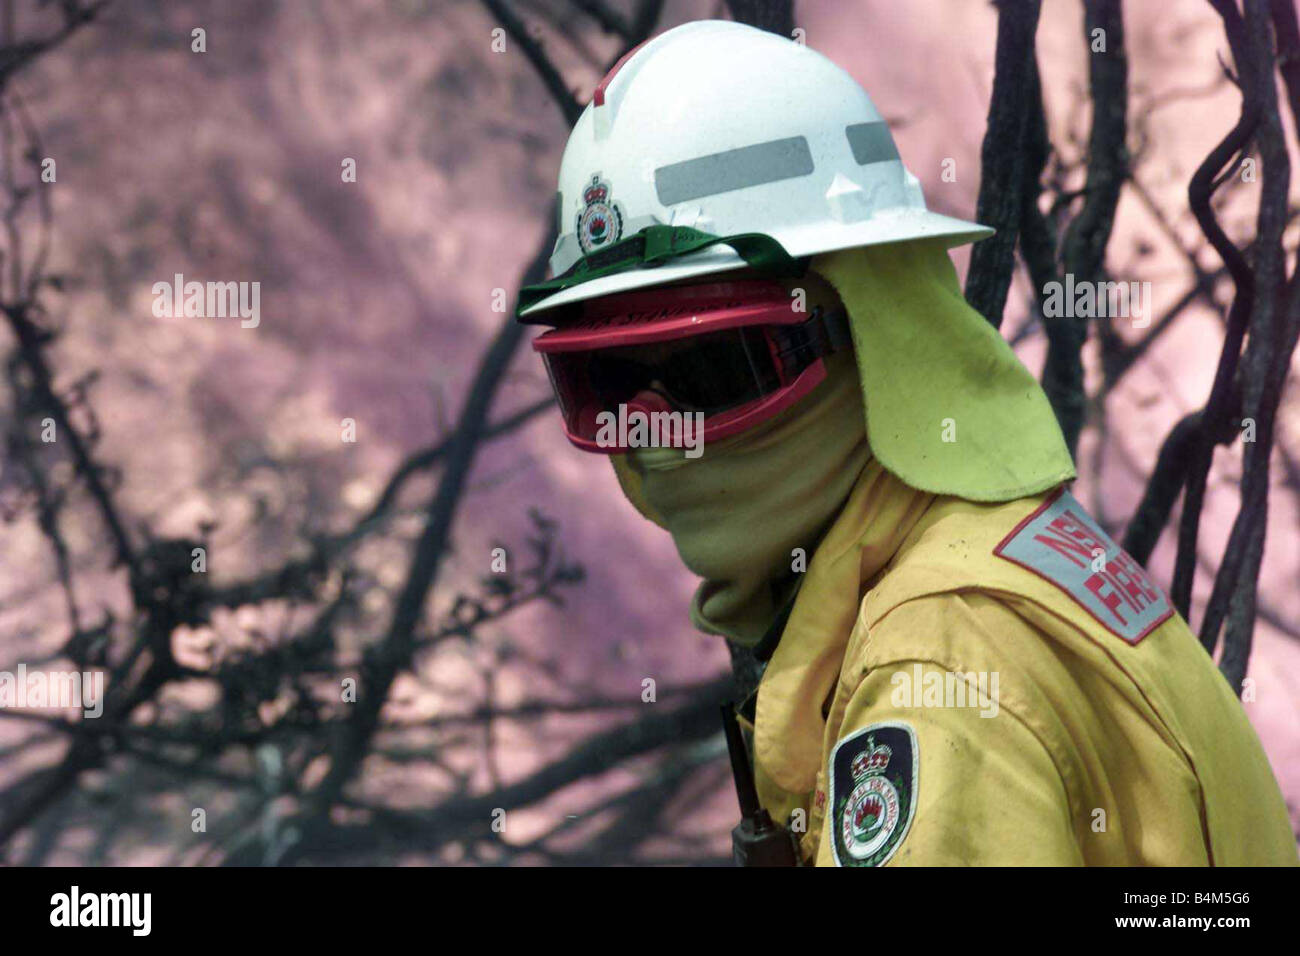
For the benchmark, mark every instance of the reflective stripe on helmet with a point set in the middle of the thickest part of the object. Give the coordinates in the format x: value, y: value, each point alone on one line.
x: 871, y: 143
x: 734, y: 169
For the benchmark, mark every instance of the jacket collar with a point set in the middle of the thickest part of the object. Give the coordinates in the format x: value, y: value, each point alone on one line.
x: 789, y: 721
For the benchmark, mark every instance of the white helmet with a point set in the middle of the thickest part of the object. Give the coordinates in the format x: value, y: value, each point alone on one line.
x: 730, y: 130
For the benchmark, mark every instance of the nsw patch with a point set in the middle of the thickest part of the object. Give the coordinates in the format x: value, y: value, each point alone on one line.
x: 873, y: 777
x: 1061, y: 543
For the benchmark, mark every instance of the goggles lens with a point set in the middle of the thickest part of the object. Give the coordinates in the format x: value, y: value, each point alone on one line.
x: 722, y: 376
x: 710, y: 374
x: 729, y: 354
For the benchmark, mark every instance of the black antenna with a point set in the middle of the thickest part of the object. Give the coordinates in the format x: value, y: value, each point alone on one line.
x: 740, y: 768
x: 756, y: 840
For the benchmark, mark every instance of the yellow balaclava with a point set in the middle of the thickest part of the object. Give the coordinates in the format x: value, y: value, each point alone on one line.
x: 949, y: 409
x: 738, y: 512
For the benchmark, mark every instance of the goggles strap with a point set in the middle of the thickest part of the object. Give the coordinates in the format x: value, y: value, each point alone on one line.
x: 655, y: 245
x: 838, y: 334
x: 825, y: 332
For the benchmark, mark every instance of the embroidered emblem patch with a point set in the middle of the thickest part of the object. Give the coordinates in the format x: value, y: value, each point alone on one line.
x: 1063, y: 544
x: 599, y: 223
x: 873, y: 777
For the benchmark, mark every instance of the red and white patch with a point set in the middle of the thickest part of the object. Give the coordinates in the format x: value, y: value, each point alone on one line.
x: 1063, y: 544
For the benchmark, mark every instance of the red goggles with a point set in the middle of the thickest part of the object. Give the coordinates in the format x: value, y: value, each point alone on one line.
x: 730, y: 354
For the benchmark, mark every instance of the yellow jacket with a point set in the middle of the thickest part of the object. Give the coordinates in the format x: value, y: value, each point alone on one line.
x: 999, y: 684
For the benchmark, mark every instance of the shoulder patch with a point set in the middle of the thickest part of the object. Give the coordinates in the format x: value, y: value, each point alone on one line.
x: 873, y: 778
x: 1061, y: 543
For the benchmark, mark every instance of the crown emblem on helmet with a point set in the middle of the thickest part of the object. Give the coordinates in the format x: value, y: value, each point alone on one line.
x: 873, y: 760
x: 596, y: 192
x: 599, y: 222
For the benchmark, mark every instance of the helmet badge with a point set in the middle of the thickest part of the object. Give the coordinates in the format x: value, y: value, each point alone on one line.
x: 599, y: 222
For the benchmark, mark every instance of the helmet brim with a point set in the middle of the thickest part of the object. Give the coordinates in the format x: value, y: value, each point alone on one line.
x: 903, y: 225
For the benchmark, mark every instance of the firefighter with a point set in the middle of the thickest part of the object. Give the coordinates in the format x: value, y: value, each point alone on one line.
x: 961, y: 666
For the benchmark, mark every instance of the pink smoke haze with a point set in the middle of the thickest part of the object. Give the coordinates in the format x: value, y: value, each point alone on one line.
x: 377, y: 301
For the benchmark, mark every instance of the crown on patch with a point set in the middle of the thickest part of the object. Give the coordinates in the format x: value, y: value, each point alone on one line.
x: 871, y: 761
x: 596, y: 192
